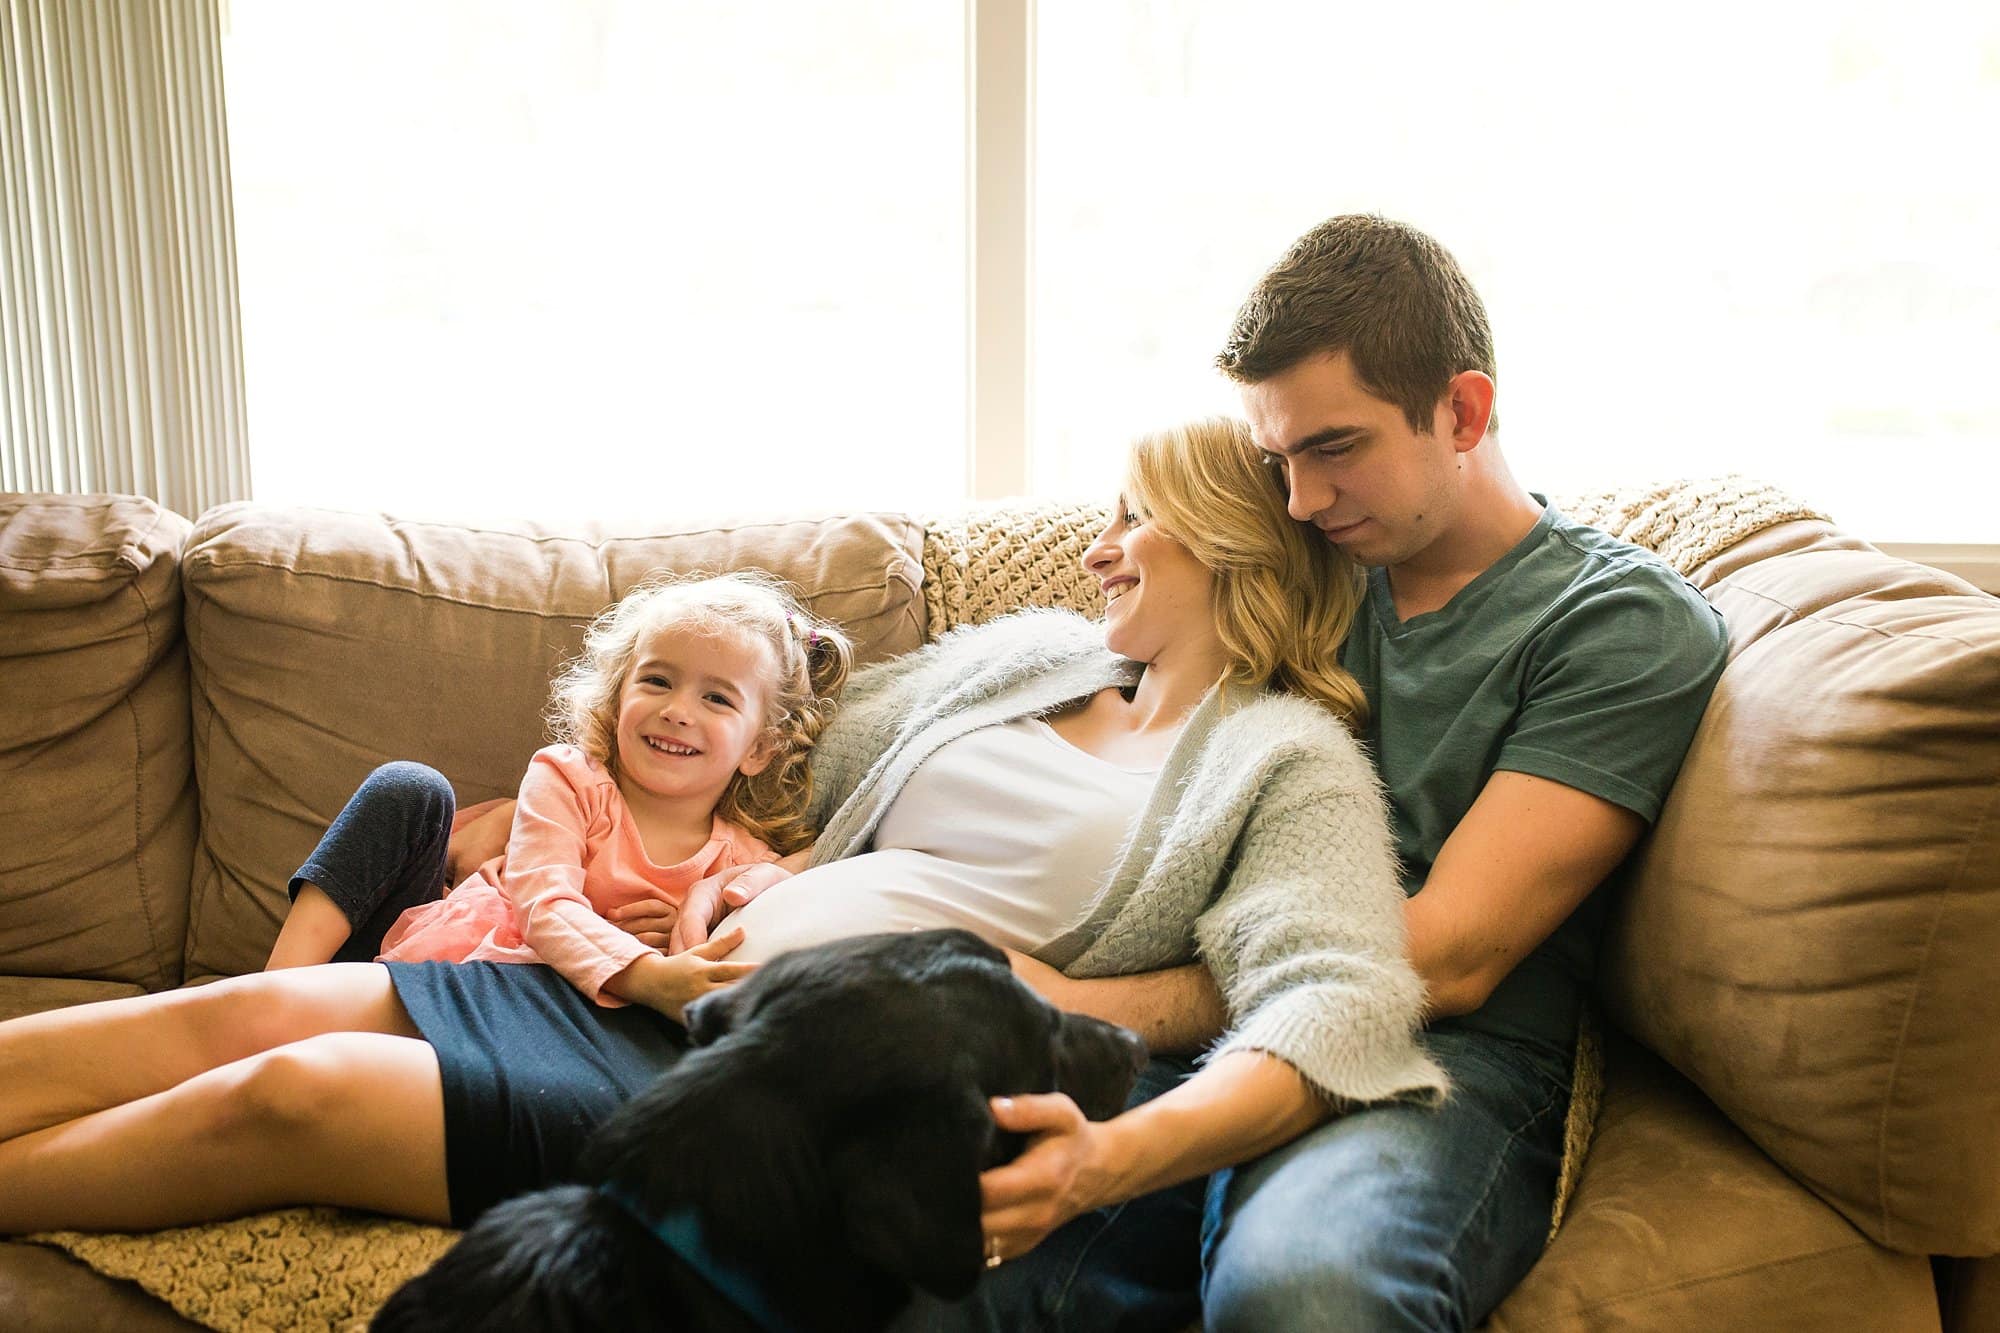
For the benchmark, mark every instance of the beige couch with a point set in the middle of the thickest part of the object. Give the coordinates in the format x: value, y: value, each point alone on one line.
x: 1802, y: 1080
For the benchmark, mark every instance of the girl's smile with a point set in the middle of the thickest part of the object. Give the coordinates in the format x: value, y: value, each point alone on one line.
x: 692, y: 713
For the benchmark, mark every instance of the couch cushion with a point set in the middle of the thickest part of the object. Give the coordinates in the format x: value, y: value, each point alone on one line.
x: 1810, y: 933
x: 325, y: 643
x: 96, y: 768
x: 45, y: 1291
x: 35, y: 995
x: 1678, y: 1222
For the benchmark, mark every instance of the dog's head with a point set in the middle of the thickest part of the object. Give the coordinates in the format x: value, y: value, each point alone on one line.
x: 846, y: 1086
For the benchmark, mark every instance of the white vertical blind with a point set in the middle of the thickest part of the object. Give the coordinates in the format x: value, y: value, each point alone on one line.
x: 120, y: 351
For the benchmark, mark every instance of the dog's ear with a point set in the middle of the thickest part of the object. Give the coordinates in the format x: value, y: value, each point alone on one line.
x: 714, y: 1016
x: 908, y: 1190
x: 719, y: 1127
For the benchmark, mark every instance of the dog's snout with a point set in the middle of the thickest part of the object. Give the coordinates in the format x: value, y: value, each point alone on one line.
x: 1136, y: 1052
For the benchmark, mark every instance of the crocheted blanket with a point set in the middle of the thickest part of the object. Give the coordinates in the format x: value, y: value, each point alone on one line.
x: 986, y: 562
x: 326, y: 1269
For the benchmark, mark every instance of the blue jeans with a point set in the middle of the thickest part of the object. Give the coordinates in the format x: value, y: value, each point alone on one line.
x: 1391, y: 1217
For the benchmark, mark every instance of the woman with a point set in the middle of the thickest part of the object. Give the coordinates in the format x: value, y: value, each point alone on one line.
x: 1215, y: 806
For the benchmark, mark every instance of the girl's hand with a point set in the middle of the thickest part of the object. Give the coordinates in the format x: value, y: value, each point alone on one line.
x: 670, y: 984
x: 650, y: 921
x: 1062, y: 1174
x: 712, y: 898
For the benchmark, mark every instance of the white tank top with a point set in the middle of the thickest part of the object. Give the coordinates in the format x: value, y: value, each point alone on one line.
x: 1008, y: 831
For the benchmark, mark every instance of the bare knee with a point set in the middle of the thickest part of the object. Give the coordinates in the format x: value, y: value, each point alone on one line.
x: 287, y: 1094
x: 243, y: 1016
x: 355, y: 1119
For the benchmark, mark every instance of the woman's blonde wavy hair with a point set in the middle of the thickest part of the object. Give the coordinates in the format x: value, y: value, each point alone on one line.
x: 812, y: 659
x: 1284, y: 597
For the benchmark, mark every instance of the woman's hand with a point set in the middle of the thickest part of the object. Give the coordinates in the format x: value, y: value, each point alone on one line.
x: 714, y: 897
x: 1063, y: 1173
x: 478, y: 841
x: 670, y: 984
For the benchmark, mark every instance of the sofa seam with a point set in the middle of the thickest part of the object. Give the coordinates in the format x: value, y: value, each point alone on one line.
x: 1740, y: 1270
x: 1909, y: 1011
x: 1833, y: 615
x: 160, y: 513
x: 889, y: 576
x: 139, y: 795
x: 885, y: 516
x: 108, y: 560
x: 204, y: 748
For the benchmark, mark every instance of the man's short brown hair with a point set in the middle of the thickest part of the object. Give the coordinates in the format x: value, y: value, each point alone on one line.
x: 1387, y: 295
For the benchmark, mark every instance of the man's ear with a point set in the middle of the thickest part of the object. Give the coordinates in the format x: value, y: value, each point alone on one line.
x: 908, y: 1191
x: 1470, y: 400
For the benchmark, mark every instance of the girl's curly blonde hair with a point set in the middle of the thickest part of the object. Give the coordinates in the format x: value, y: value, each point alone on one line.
x: 812, y: 659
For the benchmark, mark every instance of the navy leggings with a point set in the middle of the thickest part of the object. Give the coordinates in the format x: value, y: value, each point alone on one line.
x: 384, y: 853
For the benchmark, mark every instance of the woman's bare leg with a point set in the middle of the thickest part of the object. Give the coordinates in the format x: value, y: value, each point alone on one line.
x: 350, y: 1118
x: 57, y: 1066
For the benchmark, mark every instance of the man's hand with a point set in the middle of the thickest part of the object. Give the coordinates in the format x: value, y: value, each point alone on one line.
x: 721, y: 893
x: 1059, y: 1176
x: 478, y: 841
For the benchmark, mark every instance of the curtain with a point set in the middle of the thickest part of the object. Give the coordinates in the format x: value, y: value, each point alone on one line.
x: 123, y: 366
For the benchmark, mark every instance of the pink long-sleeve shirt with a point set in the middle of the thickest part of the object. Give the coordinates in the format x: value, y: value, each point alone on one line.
x: 574, y: 853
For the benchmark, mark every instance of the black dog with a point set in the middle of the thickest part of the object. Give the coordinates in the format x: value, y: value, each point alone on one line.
x: 817, y: 1153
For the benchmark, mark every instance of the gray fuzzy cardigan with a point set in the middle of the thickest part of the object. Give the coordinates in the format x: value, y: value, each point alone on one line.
x: 1264, y: 849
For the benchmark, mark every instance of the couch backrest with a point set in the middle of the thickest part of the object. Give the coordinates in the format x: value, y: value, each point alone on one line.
x: 1811, y: 932
x: 97, y: 801
x: 325, y: 643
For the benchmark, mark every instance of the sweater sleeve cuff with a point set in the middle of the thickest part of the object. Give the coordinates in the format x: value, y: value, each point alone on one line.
x: 1335, y: 1051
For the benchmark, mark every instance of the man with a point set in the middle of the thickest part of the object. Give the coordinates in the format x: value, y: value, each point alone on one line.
x: 1533, y: 685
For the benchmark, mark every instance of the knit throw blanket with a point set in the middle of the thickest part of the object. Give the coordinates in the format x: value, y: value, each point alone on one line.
x: 985, y: 563
x: 327, y: 1269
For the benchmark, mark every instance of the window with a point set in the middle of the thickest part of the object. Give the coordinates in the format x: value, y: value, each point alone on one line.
x: 1716, y: 238
x: 661, y: 257
x: 607, y: 256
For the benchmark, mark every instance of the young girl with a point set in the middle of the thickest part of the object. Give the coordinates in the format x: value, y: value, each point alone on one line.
x: 683, y: 731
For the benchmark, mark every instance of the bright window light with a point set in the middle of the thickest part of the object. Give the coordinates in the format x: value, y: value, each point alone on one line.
x: 601, y: 257
x: 1712, y: 238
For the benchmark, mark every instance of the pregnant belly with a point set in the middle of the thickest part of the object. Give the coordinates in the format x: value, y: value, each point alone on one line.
x: 891, y: 890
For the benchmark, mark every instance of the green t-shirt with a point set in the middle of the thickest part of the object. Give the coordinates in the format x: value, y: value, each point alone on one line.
x: 1576, y: 657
